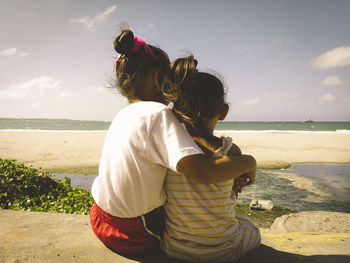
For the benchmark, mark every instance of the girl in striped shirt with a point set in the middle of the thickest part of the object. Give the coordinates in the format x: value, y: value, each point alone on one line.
x: 201, y: 223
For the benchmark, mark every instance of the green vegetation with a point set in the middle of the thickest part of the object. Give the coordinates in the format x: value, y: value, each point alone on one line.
x: 263, y: 218
x: 272, y: 166
x: 26, y: 188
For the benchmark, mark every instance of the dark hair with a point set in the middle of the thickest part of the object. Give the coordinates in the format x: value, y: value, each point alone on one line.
x: 133, y: 66
x: 200, y: 95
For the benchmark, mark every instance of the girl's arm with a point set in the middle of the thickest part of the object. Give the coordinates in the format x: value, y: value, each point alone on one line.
x: 235, y: 150
x: 207, y: 170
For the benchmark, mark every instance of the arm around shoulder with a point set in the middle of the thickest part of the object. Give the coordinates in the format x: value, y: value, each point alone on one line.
x: 208, y: 170
x: 234, y: 151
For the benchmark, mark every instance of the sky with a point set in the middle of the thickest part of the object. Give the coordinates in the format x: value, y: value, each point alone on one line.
x: 280, y: 60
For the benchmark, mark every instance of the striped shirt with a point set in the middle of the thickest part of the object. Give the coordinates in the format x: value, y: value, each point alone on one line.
x: 201, y: 224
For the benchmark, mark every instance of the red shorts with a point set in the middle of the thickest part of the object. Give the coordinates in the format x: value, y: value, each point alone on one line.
x: 128, y: 235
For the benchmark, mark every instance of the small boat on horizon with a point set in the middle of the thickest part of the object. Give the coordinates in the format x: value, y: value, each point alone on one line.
x: 308, y: 120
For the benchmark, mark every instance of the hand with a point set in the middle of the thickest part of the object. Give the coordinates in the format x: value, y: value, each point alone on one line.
x: 240, y: 183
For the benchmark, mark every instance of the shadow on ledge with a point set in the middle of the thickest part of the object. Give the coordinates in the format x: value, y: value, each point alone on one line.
x: 263, y: 254
x: 270, y: 255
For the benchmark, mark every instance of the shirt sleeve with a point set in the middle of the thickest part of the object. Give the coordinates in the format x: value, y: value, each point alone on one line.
x: 225, y: 148
x: 169, y: 141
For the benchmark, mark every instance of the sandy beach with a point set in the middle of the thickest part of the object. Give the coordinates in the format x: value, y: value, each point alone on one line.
x: 79, y: 152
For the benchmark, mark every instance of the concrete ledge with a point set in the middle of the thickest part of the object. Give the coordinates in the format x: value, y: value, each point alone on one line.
x: 313, y: 221
x: 50, y: 237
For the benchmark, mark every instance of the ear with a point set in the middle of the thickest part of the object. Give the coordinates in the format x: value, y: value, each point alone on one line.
x: 223, y: 112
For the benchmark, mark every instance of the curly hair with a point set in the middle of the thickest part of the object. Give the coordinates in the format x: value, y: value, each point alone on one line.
x: 133, y: 66
x: 199, y: 95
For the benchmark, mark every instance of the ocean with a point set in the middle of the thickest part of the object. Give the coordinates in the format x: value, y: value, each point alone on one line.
x: 302, y: 187
x: 255, y: 127
x: 52, y: 125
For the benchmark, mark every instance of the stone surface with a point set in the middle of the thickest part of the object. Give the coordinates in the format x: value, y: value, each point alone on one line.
x: 50, y: 237
x: 313, y: 221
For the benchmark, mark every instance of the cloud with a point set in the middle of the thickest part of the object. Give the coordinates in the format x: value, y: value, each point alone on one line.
x: 98, y: 89
x: 65, y: 94
x: 90, y: 23
x: 252, y: 101
x: 326, y: 97
x: 35, y: 105
x: 33, y: 88
x: 331, y: 81
x: 337, y: 57
x: 285, y: 96
x: 274, y: 43
x: 12, y: 52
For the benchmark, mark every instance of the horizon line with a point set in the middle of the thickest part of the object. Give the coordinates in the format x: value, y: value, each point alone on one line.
x: 67, y: 119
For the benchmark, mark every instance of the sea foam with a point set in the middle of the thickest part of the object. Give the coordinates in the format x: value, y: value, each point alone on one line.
x: 282, y: 131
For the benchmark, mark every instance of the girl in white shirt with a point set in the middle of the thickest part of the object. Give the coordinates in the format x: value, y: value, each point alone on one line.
x: 201, y: 223
x: 144, y: 140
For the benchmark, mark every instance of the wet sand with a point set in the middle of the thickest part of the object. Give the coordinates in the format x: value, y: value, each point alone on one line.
x: 79, y: 152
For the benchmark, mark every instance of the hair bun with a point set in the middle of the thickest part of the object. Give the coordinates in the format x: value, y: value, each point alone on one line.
x: 124, y: 43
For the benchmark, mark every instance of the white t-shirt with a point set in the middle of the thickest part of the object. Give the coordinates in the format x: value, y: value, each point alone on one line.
x: 144, y: 140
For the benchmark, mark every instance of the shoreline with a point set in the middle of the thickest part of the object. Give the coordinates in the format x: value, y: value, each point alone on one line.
x: 79, y: 152
x: 338, y: 131
x: 94, y: 169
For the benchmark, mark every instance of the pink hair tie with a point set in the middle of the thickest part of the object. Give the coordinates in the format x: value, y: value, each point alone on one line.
x: 116, y: 62
x: 138, y: 42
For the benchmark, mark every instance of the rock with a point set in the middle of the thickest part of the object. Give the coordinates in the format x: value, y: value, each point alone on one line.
x: 313, y: 221
x: 261, y: 205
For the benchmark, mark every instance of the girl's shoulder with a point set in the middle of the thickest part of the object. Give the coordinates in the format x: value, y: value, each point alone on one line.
x: 208, y: 145
x: 145, y: 116
x: 142, y: 109
x: 215, y: 146
x: 225, y: 147
x: 146, y: 106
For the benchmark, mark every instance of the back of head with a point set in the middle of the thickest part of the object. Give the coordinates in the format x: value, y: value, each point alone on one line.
x: 135, y: 62
x: 210, y: 95
x: 200, y: 95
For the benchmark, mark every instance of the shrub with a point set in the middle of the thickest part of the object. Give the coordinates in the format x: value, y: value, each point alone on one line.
x: 26, y: 188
